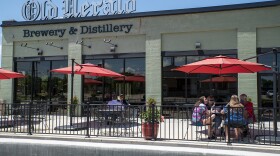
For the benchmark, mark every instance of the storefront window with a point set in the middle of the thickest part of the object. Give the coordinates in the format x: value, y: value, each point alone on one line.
x: 134, y: 83
x: 93, y: 85
x: 181, y: 88
x: 42, y: 73
x: 111, y: 89
x: 47, y: 86
x: 132, y: 86
x: 265, y: 85
x: 23, y: 86
x: 167, y: 61
x: 179, y: 61
x: 58, y: 83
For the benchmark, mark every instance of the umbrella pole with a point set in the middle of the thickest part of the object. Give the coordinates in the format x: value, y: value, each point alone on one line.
x: 186, y: 88
x: 32, y: 98
x: 72, y: 82
x: 275, y: 91
x: 211, y: 86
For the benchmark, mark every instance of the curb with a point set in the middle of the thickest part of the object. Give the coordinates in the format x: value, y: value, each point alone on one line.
x: 140, y: 141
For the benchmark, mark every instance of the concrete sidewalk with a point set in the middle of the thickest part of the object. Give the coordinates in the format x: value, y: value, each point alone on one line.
x: 166, y: 146
x: 27, y: 147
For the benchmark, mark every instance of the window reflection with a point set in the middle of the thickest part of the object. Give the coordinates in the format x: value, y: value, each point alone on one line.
x: 41, y: 82
x: 167, y: 61
x: 47, y: 86
x: 23, y: 86
x: 132, y: 85
x: 110, y: 88
x: 179, y: 87
x: 93, y: 85
x: 179, y: 60
x: 266, y: 90
x: 268, y: 60
x: 266, y: 79
x: 58, y: 83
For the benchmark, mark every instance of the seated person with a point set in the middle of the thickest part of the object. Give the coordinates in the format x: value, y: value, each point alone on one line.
x: 114, y: 107
x: 236, y: 116
x: 122, y: 100
x: 115, y: 104
x: 215, y: 109
x: 209, y: 102
x: 251, y: 118
x: 201, y: 116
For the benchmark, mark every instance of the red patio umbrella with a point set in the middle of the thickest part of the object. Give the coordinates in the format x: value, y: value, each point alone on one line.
x: 88, y: 69
x: 220, y: 79
x: 135, y: 78
x: 91, y: 81
x: 83, y: 69
x: 222, y: 65
x: 6, y: 74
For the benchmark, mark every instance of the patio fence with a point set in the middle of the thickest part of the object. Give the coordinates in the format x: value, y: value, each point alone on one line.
x: 93, y: 120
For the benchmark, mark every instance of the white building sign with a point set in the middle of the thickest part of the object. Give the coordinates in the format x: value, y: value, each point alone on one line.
x: 46, y: 10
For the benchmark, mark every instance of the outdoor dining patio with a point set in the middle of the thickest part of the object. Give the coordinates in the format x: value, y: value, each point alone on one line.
x: 126, y: 122
x: 74, y: 118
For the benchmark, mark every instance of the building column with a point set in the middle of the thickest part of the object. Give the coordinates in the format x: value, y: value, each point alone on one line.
x: 7, y: 88
x: 74, y: 52
x: 153, y: 68
x: 247, y: 47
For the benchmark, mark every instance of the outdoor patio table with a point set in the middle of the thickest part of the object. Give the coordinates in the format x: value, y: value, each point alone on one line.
x: 110, y: 115
x: 22, y: 112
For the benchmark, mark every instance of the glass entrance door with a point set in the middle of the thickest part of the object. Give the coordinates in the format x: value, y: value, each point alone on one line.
x: 265, y: 79
x: 47, y: 86
x: 266, y: 90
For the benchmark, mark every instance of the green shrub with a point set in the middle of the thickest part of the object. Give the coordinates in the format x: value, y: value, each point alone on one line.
x: 151, y: 114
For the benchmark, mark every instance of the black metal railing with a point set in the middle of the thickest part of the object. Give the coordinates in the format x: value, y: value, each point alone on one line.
x: 170, y: 122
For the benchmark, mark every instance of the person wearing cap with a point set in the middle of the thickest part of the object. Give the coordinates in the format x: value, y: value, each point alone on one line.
x: 122, y: 100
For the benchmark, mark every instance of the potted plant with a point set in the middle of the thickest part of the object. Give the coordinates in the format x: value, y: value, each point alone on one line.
x: 150, y: 120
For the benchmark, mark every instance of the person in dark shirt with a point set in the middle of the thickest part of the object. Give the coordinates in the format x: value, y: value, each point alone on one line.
x: 214, y: 109
x: 210, y: 102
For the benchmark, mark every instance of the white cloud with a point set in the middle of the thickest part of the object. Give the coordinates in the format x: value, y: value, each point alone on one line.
x: 108, y: 66
x: 166, y: 62
x: 130, y: 70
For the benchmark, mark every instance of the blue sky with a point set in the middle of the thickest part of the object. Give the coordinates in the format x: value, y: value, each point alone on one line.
x: 11, y: 9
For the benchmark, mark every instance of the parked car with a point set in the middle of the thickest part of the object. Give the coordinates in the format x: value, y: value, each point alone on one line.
x: 269, y: 93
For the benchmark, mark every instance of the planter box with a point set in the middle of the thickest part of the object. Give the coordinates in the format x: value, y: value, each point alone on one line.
x: 147, y: 130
